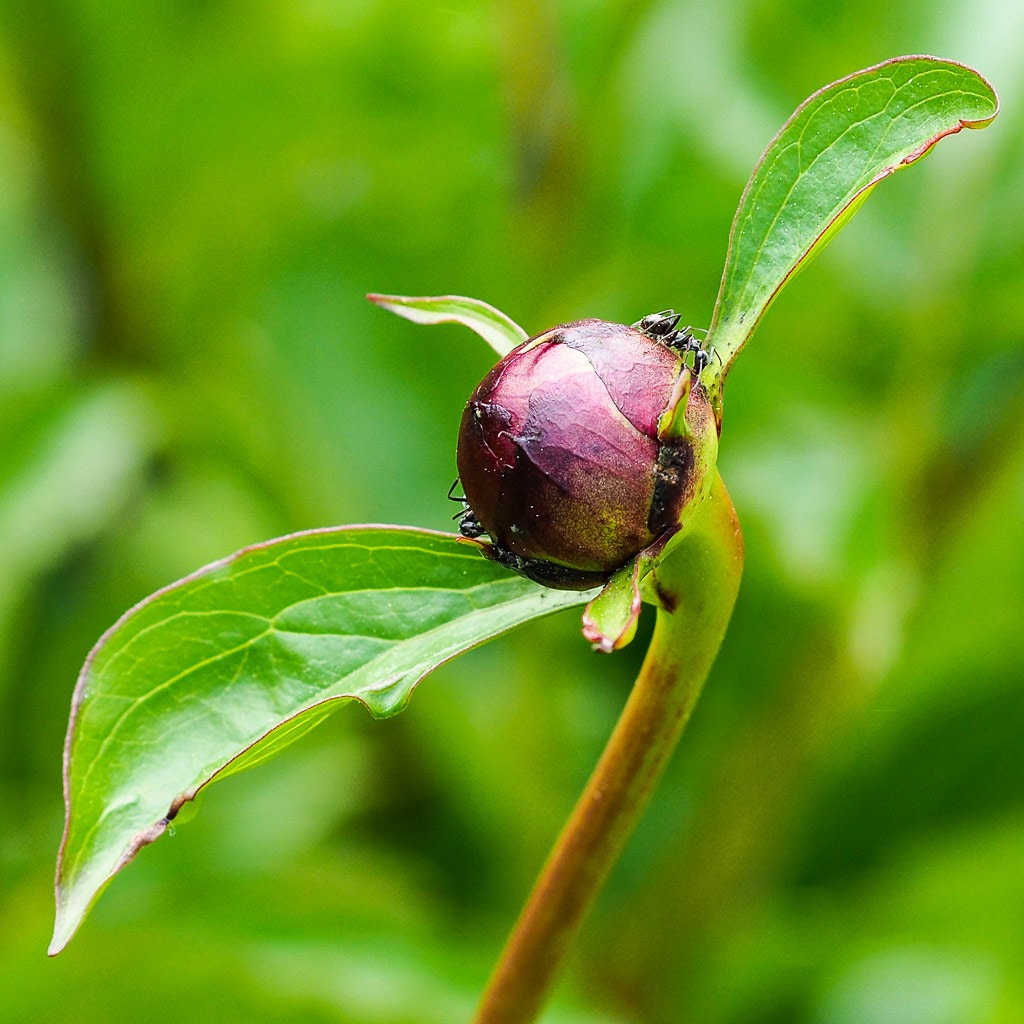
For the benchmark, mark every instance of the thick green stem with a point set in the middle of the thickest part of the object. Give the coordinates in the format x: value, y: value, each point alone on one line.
x: 697, y: 585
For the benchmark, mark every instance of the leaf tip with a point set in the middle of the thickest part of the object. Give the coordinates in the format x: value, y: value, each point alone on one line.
x: 610, y: 619
x: 65, y: 923
x: 382, y: 300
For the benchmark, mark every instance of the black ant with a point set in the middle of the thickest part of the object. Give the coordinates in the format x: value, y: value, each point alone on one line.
x: 469, y: 525
x: 663, y: 327
x: 659, y: 325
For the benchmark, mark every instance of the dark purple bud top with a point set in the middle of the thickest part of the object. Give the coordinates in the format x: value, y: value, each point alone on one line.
x: 560, y: 457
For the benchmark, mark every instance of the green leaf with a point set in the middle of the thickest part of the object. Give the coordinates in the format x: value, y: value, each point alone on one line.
x: 610, y: 620
x: 244, y: 656
x: 822, y: 165
x: 499, y: 331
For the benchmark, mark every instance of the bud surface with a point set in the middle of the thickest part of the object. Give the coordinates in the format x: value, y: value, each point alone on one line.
x: 559, y: 453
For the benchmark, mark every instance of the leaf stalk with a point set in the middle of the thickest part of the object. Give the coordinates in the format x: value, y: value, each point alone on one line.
x: 696, y: 585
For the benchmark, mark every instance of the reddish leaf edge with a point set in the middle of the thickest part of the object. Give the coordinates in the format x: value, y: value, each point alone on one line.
x: 149, y: 835
x: 911, y: 158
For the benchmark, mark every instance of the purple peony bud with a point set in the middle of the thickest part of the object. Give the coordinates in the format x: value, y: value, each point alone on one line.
x: 560, y: 456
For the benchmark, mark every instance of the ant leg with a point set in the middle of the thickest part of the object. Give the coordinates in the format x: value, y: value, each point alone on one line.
x: 469, y: 525
x: 701, y: 358
x: 682, y: 341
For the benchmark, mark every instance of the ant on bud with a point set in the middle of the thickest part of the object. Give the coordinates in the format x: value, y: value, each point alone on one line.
x: 469, y: 525
x: 664, y: 326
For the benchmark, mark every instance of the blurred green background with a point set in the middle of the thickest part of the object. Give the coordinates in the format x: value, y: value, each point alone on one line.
x: 194, y: 198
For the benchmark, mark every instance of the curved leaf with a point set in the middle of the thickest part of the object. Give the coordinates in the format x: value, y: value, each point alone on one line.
x: 499, y: 331
x: 610, y: 620
x: 243, y: 656
x: 822, y: 164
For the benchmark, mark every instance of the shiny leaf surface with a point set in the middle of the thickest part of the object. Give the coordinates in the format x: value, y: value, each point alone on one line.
x: 233, y: 662
x: 823, y: 163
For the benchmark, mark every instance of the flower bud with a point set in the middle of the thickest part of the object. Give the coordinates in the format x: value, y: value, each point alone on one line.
x: 561, y: 458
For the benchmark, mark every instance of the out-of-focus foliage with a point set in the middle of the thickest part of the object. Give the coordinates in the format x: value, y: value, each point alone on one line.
x: 194, y: 199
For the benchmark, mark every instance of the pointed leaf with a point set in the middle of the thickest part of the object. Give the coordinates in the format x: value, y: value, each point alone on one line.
x: 609, y: 621
x: 823, y: 163
x: 499, y: 331
x: 245, y: 655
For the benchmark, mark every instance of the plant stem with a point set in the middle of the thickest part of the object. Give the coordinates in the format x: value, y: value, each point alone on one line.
x: 698, y: 581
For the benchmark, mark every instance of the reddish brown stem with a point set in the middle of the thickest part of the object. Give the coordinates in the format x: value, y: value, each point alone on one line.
x: 699, y: 581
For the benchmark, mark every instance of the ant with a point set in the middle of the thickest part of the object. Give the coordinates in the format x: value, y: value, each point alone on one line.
x: 469, y: 525
x: 663, y: 327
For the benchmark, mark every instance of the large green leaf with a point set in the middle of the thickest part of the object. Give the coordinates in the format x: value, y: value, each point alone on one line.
x: 822, y: 165
x: 246, y: 654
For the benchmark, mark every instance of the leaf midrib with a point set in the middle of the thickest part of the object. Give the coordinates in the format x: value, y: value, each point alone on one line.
x: 408, y: 643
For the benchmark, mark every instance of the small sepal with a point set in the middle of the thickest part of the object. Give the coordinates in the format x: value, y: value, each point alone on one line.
x: 501, y: 332
x: 609, y: 621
